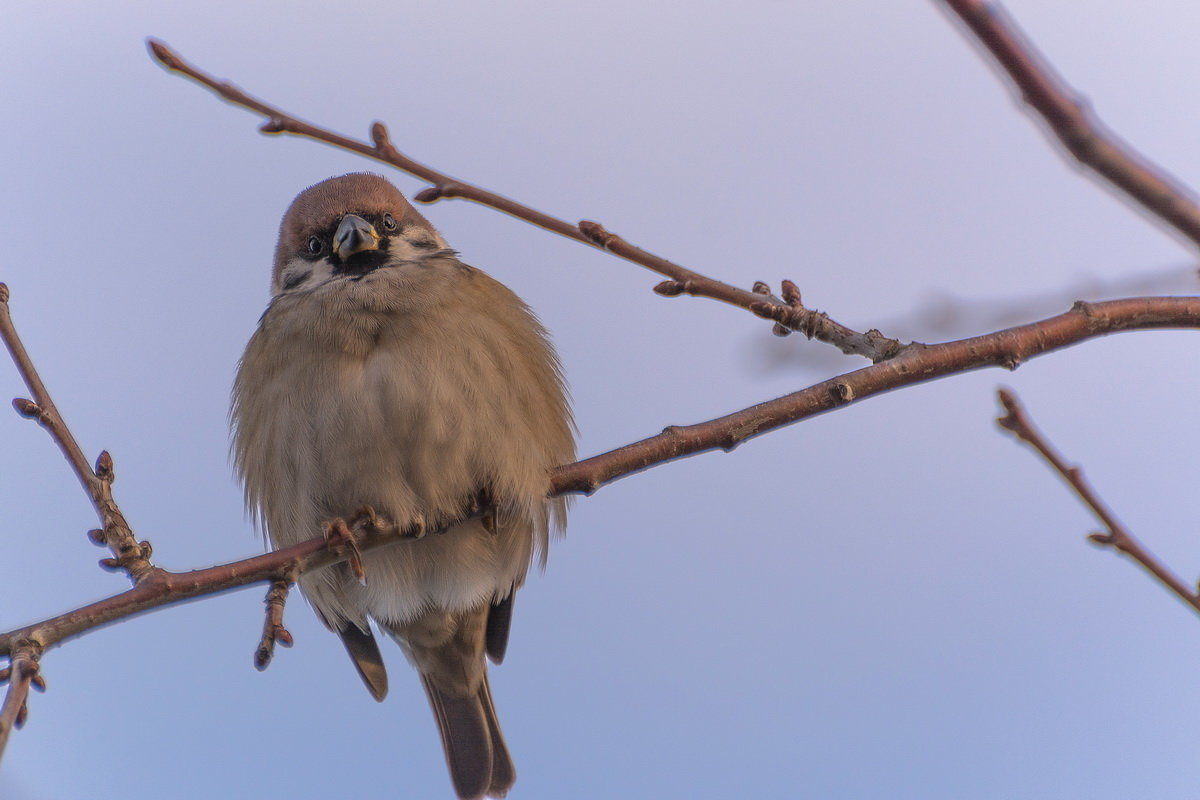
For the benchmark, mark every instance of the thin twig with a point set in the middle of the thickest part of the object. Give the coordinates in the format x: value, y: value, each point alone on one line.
x: 793, y: 316
x: 21, y: 673
x: 943, y: 316
x: 1116, y: 535
x: 273, y: 630
x: 681, y: 279
x: 128, y: 553
x: 1073, y: 122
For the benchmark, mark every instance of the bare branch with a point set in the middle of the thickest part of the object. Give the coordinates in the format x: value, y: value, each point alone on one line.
x: 916, y: 364
x: 817, y: 325
x: 161, y: 587
x: 1072, y: 121
x: 128, y: 553
x: 1116, y: 535
x: 681, y: 279
x: 943, y: 316
x: 1007, y: 348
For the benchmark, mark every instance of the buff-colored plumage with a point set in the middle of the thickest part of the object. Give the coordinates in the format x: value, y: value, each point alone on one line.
x: 397, y: 377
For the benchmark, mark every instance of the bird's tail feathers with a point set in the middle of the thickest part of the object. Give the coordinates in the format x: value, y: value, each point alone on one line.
x: 475, y: 751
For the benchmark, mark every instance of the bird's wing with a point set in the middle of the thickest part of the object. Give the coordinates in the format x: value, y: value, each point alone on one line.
x: 498, y: 621
x: 364, y: 652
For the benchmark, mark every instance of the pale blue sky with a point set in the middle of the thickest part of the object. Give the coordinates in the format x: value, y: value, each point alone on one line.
x: 889, y: 601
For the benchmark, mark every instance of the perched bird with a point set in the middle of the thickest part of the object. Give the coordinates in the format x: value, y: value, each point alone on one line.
x: 388, y: 374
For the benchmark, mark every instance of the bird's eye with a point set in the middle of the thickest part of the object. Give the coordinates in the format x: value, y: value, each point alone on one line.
x: 315, y: 245
x: 389, y: 222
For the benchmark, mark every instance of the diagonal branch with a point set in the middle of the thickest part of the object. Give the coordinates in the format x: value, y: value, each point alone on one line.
x: 128, y: 552
x: 1007, y: 348
x: 1117, y: 536
x: 1072, y: 121
x: 681, y: 280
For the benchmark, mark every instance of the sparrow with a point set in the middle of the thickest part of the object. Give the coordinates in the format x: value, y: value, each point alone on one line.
x: 389, y: 377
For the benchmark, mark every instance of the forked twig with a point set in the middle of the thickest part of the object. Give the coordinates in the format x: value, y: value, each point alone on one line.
x: 1115, y: 535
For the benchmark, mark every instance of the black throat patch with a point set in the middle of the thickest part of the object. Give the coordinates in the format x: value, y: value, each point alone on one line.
x: 359, y: 264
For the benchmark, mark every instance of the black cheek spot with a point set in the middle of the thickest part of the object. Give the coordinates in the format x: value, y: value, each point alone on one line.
x: 293, y: 279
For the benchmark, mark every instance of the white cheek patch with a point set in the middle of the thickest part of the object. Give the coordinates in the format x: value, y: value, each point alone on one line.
x: 300, y: 275
x: 414, y: 245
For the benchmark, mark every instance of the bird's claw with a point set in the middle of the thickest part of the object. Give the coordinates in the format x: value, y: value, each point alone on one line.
x: 340, y: 537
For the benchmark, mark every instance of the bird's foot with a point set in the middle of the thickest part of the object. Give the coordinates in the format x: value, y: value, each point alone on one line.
x: 371, y: 520
x: 341, y: 539
x: 483, y: 506
x: 417, y: 527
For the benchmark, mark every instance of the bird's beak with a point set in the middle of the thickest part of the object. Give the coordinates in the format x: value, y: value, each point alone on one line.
x: 354, y: 235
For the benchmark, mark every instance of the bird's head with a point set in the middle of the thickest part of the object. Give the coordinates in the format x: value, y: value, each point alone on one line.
x: 345, y: 228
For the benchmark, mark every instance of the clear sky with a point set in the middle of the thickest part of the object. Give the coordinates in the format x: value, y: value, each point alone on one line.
x: 892, y: 600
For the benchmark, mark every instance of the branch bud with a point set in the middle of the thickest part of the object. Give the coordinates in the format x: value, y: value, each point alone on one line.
x: 380, y: 136
x: 791, y: 293
x: 766, y: 310
x: 163, y: 53
x: 27, y: 408
x: 104, y: 467
x: 595, y: 233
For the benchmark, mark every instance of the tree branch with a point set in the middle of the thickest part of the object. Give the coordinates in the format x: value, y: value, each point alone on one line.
x: 681, y: 279
x: 1072, y: 121
x: 817, y: 325
x: 128, y: 553
x: 1007, y: 348
x: 1117, y: 536
x: 917, y: 364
